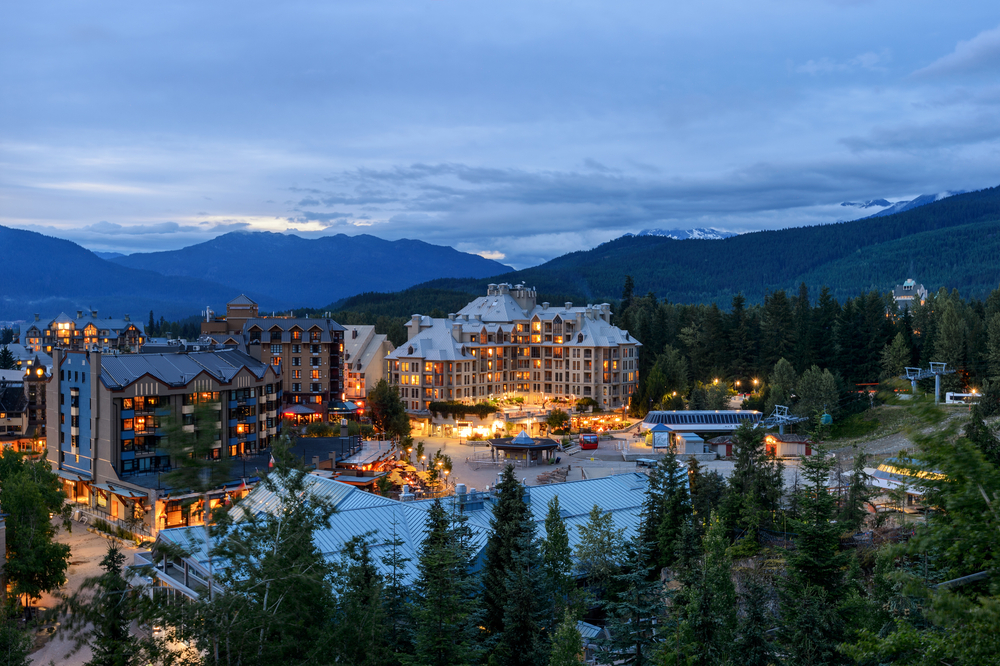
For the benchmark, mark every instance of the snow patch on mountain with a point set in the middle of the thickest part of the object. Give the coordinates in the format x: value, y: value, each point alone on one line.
x: 685, y: 234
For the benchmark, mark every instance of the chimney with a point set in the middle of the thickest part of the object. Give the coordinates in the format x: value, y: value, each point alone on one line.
x: 93, y: 313
x: 451, y: 316
x: 545, y: 306
x: 456, y: 331
x: 36, y: 317
x: 579, y: 320
x: 79, y: 314
x: 569, y: 305
x: 127, y: 319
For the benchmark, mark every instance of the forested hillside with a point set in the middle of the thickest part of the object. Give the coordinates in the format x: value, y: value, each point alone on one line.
x: 808, y: 356
x: 951, y: 243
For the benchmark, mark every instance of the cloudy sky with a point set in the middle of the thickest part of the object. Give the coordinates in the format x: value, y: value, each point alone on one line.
x: 517, y: 130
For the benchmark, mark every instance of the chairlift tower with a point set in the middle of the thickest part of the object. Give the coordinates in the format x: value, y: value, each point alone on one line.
x: 780, y: 418
x: 935, y: 371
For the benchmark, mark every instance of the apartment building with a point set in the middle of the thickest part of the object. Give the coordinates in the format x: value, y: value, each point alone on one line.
x: 106, y: 418
x: 309, y: 353
x: 364, y: 362
x: 22, y: 404
x: 506, y: 344
x: 85, y: 332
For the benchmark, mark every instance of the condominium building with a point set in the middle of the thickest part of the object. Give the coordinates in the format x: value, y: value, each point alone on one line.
x: 85, y: 332
x: 364, y: 362
x: 309, y: 354
x: 106, y: 415
x: 506, y: 344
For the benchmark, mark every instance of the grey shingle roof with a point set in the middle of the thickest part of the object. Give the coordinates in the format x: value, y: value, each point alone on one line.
x: 119, y: 371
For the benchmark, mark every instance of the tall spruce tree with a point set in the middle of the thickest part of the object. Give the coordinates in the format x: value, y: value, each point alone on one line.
x: 557, y: 557
x: 634, y: 609
x: 599, y: 549
x: 443, y: 595
x: 752, y: 646
x: 528, y: 611
x: 395, y: 604
x: 706, y: 608
x: 812, y: 626
x: 755, y: 486
x: 665, y: 508
x: 510, y: 518
x: 359, y: 624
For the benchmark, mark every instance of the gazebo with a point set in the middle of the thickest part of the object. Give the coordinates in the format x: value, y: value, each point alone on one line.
x: 523, y: 450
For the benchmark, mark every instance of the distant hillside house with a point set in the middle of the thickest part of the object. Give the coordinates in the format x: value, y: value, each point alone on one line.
x: 909, y: 294
x: 85, y: 332
x: 505, y: 344
x: 364, y: 362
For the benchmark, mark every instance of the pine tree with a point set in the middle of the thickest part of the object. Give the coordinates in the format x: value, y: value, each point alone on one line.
x: 359, y: 622
x: 777, y: 328
x: 633, y: 610
x: 387, y: 411
x: 567, y: 643
x: 812, y: 626
x: 7, y: 360
x: 984, y: 437
x: 599, y: 549
x: 817, y: 391
x: 993, y: 346
x: 112, y: 641
x: 395, y: 606
x: 741, y: 342
x: 782, y: 381
x: 755, y: 486
x: 528, y: 614
x: 557, y: 557
x: 509, y: 520
x: 895, y: 357
x: 676, y: 507
x: 752, y: 647
x: 707, y: 492
x: 706, y: 607
x: 444, y: 618
x: 859, y: 494
x: 666, y: 506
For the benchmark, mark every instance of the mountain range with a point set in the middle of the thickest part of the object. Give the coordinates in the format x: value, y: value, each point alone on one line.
x: 952, y: 242
x: 280, y: 271
x: 889, y: 208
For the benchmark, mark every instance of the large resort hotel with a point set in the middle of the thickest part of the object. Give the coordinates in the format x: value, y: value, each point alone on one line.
x: 505, y: 344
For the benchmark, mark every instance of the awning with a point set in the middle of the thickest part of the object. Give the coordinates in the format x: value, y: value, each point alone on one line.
x: 119, y: 490
x: 297, y: 409
x: 344, y: 407
x: 71, y: 476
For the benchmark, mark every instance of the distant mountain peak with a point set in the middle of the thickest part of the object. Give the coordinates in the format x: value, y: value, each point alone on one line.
x: 685, y: 234
x: 889, y: 208
x: 880, y: 203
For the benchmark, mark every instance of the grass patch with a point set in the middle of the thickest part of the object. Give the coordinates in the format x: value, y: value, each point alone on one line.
x: 854, y: 426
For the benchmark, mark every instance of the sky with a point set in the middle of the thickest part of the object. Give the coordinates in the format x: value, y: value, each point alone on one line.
x: 516, y: 130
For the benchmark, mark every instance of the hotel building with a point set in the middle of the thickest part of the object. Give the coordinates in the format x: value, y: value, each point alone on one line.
x: 505, y: 344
